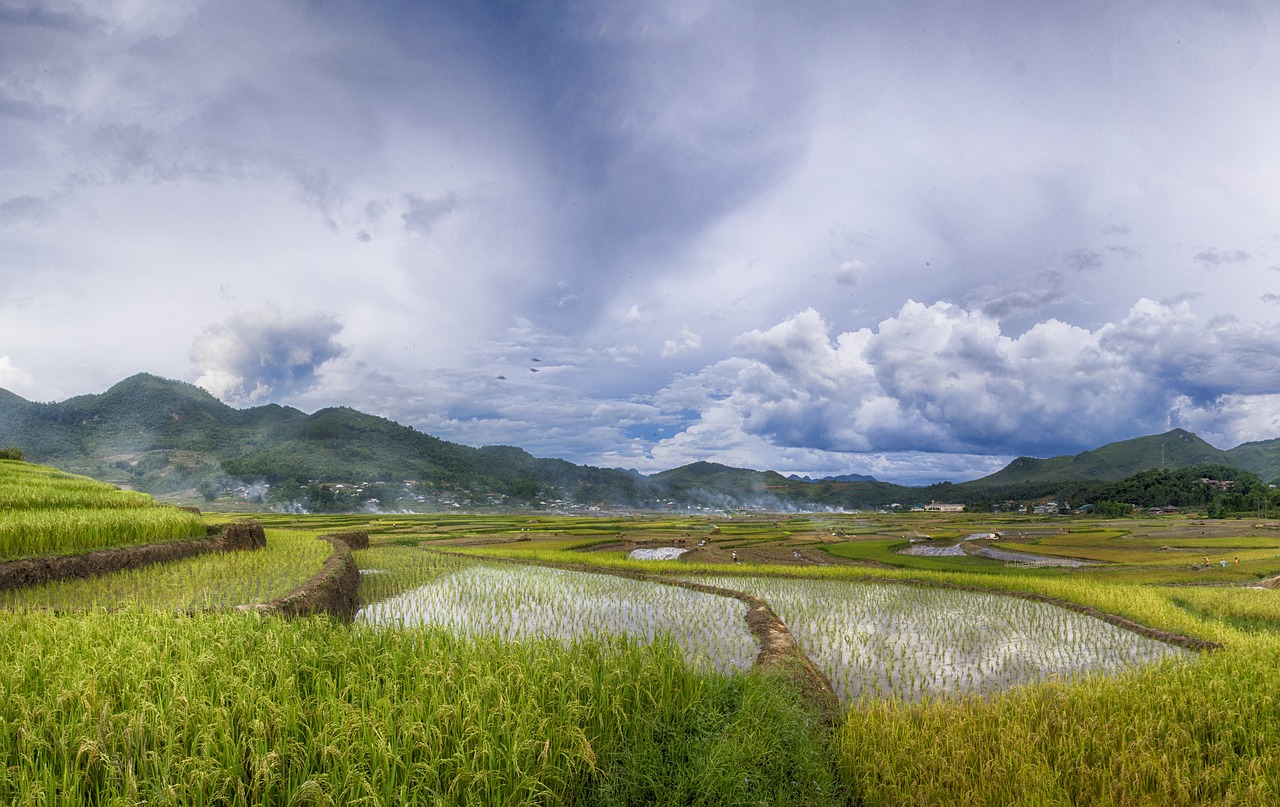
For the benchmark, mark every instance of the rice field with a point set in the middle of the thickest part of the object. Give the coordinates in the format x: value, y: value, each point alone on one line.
x: 909, y: 643
x: 140, y: 706
x: 44, y: 511
x: 466, y: 681
x: 205, y: 582
x: 514, y: 602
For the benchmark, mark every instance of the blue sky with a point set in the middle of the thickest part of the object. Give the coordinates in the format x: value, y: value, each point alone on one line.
x: 906, y: 239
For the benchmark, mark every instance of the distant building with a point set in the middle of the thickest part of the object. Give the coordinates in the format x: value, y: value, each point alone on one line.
x: 940, y: 507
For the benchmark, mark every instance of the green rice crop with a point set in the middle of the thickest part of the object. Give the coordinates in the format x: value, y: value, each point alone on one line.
x: 1246, y: 608
x: 1202, y: 732
x: 517, y: 602
x: 145, y: 707
x: 44, y: 511
x: 24, y: 486
x: 214, y: 580
x: 877, y: 640
x: 33, y: 533
x: 389, y: 570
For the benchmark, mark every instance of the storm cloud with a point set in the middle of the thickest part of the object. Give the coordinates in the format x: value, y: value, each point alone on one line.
x: 262, y: 355
x: 904, y: 239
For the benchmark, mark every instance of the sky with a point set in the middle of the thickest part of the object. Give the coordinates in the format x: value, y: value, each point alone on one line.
x: 907, y: 239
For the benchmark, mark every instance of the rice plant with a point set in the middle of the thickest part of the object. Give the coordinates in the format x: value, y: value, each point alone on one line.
x: 44, y: 511
x: 143, y: 707
x: 518, y: 602
x: 211, y: 581
x: 911, y: 642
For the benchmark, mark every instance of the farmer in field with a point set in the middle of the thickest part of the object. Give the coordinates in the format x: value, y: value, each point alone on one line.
x: 734, y: 555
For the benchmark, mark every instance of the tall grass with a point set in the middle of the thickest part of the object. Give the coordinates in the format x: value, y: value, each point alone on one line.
x: 33, y: 533
x: 1207, y: 732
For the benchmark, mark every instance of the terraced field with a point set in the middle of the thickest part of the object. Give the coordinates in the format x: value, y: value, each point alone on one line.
x: 525, y: 659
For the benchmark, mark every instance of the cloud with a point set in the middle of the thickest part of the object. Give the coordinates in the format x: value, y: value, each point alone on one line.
x: 32, y: 209
x: 941, y: 378
x: 14, y: 378
x: 688, y: 342
x: 264, y: 355
x: 422, y: 215
x: 1218, y: 257
x: 1082, y: 260
x: 848, y: 273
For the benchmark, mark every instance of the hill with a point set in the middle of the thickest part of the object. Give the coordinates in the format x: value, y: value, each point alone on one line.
x: 175, y: 440
x: 169, y: 437
x: 1173, y: 449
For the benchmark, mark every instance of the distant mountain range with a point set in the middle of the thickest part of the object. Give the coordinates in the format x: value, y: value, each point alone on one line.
x: 177, y: 441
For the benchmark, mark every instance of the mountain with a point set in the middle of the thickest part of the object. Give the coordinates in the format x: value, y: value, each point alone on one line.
x: 1173, y: 449
x: 1261, y: 457
x: 168, y: 437
x: 175, y: 440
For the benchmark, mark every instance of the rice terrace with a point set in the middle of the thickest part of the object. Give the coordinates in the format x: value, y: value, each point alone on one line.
x: 529, y: 658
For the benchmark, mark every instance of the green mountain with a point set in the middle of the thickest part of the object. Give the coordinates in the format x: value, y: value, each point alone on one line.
x: 1261, y: 457
x: 1173, y: 449
x: 175, y: 440
x: 168, y: 437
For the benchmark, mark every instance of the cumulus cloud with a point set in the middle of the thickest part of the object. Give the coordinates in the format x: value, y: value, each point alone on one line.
x: 265, y: 354
x: 942, y: 378
x: 688, y: 342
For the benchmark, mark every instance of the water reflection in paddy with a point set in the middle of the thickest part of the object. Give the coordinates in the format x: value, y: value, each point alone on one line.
x: 517, y: 602
x: 909, y: 642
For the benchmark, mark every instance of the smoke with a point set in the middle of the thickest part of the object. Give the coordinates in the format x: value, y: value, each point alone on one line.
x: 261, y: 354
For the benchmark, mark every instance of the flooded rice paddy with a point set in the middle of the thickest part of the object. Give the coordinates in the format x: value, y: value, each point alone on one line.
x: 517, y: 602
x: 901, y: 641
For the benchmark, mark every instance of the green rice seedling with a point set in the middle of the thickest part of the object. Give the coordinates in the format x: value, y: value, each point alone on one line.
x: 912, y: 642
x: 516, y: 602
x: 211, y: 581
x: 389, y: 570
